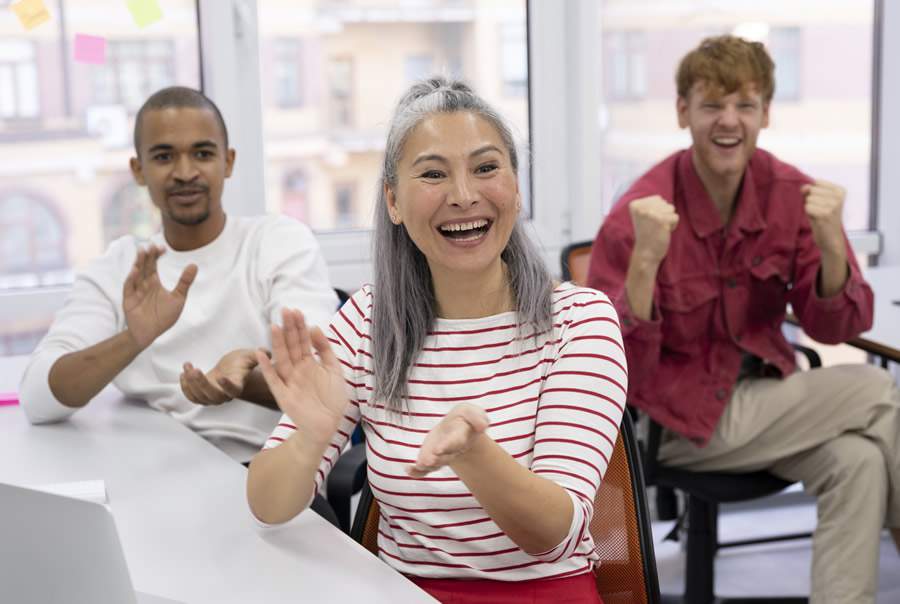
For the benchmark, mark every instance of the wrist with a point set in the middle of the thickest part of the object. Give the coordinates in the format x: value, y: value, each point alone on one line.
x: 645, y: 261
x: 134, y: 342
x: 472, y: 454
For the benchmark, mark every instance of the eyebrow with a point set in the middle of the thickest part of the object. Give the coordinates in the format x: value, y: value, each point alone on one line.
x: 205, y: 144
x: 436, y: 157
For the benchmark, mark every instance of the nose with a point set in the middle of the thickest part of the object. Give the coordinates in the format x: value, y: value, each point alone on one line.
x: 185, y: 170
x: 729, y: 115
x: 463, y: 193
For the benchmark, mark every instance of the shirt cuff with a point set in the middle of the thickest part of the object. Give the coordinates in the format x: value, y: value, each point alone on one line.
x: 838, y: 302
x: 35, y: 396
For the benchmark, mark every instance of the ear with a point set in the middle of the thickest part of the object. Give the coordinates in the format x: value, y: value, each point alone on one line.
x: 137, y: 171
x: 229, y: 162
x: 681, y: 107
x: 765, y: 120
x: 390, y: 198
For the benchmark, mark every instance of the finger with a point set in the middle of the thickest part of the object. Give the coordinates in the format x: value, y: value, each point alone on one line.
x: 283, y: 364
x: 476, y: 417
x: 185, y: 387
x: 209, y: 391
x: 230, y: 388
x: 152, y: 255
x: 188, y: 387
x: 292, y: 337
x: 273, y: 380
x: 187, y: 278
x: 323, y: 347
x: 303, y: 332
x: 131, y: 281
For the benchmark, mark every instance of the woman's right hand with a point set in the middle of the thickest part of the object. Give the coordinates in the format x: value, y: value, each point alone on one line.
x: 312, y: 392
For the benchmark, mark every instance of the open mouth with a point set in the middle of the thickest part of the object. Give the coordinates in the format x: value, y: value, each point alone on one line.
x: 726, y: 142
x: 466, y: 231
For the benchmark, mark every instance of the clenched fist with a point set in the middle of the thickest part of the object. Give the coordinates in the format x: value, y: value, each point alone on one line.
x: 824, y: 207
x: 653, y: 219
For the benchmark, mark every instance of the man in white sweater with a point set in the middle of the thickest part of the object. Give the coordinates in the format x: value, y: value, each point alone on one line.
x: 148, y: 316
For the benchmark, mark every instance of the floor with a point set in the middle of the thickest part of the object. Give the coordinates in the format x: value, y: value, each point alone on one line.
x: 771, y: 569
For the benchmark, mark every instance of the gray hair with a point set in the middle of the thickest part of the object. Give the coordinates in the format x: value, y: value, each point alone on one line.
x: 404, y: 306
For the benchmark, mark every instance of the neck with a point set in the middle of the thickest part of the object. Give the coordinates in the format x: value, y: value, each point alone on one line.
x: 184, y: 238
x: 472, y: 297
x: 722, y: 189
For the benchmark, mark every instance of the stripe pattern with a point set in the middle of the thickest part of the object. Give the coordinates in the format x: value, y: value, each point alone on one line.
x: 554, y: 399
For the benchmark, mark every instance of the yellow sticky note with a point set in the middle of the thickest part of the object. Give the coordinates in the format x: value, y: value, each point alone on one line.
x: 145, y: 12
x: 31, y: 13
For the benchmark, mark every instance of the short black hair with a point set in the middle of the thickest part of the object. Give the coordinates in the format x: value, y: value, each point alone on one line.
x: 176, y: 96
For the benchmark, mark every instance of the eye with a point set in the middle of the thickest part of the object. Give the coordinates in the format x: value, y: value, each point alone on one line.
x: 204, y: 154
x: 487, y: 168
x: 162, y: 156
x: 711, y: 105
x: 432, y: 174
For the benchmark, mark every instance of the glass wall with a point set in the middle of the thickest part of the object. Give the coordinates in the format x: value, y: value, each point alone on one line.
x: 70, y: 85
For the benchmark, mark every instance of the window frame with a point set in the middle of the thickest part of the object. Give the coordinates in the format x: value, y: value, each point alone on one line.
x: 564, y: 95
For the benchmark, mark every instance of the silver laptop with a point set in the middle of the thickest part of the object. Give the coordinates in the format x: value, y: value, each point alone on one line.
x: 55, y: 548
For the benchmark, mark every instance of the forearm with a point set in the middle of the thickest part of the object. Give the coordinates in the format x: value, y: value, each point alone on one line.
x: 640, y: 283
x: 257, y: 391
x: 833, y: 273
x: 78, y: 377
x: 534, y: 512
x: 281, y: 481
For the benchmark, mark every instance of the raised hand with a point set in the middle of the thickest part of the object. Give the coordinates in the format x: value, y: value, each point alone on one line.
x: 653, y: 219
x: 452, y: 437
x: 311, y: 391
x: 151, y: 309
x: 222, y: 383
x: 824, y: 207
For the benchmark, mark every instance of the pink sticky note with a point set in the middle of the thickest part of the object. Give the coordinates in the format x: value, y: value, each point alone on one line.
x: 90, y: 49
x: 8, y: 398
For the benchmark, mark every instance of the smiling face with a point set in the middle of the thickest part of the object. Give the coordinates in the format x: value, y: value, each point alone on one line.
x: 456, y: 194
x: 184, y: 163
x: 724, y: 128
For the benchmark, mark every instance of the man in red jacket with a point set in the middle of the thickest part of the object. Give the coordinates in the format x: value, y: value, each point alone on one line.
x: 701, y: 256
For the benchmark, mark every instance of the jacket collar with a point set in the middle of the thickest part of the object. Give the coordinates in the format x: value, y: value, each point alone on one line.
x: 701, y: 211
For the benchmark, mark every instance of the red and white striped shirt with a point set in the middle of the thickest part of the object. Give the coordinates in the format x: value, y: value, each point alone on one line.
x: 554, y: 401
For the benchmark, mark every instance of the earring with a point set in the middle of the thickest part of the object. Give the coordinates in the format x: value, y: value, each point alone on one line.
x: 393, y: 215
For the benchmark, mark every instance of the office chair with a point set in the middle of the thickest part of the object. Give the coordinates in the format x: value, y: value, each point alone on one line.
x: 627, y: 569
x: 704, y: 490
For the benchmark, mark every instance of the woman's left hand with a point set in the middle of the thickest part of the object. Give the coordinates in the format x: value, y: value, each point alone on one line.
x: 453, y: 436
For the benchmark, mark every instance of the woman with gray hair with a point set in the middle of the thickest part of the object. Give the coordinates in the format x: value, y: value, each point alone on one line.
x: 490, y: 397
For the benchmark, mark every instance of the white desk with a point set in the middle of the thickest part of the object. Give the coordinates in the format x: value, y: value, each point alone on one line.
x: 884, y: 337
x: 181, y: 511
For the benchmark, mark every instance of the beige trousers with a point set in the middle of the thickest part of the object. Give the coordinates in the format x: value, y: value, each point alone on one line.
x: 836, y: 430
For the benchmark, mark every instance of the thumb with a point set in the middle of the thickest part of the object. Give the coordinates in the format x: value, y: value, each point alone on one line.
x: 186, y: 279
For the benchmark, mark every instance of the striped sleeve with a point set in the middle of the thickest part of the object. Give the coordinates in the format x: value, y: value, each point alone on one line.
x: 346, y: 332
x: 581, y: 407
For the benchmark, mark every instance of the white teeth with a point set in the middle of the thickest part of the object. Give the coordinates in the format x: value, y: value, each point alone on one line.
x: 464, y: 226
x: 726, y: 141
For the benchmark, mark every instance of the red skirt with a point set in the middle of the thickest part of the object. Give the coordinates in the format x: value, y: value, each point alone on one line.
x: 580, y: 589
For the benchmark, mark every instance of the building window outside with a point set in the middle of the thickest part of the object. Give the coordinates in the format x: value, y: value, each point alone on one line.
x: 357, y: 59
x: 134, y: 70
x: 19, y: 91
x: 514, y: 59
x: 344, y: 198
x: 785, y: 47
x: 130, y: 212
x: 288, y: 72
x: 340, y: 80
x: 626, y: 65
x: 295, y: 196
x: 32, y: 236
